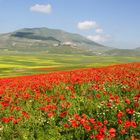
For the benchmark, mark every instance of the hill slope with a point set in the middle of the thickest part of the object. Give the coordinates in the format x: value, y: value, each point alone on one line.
x: 137, y: 49
x: 48, y: 40
x: 122, y: 52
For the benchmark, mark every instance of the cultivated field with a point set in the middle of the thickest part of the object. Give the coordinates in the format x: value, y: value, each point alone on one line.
x: 14, y: 65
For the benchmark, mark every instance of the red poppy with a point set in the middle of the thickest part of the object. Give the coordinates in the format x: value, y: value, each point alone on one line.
x: 6, y: 119
x: 120, y: 114
x: 127, y: 101
x: 112, y: 132
x: 86, y: 127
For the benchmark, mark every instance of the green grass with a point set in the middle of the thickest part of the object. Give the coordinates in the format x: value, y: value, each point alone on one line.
x: 14, y: 65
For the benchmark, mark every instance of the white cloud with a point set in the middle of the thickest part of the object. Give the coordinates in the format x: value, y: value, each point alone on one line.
x: 85, y: 25
x: 47, y: 9
x: 99, y: 30
x: 99, y: 37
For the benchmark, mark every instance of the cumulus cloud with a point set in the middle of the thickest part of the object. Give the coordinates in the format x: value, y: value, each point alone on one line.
x: 99, y: 30
x: 47, y: 9
x: 99, y: 37
x: 85, y: 25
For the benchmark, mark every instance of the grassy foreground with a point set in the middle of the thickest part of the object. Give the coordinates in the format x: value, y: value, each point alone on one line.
x: 93, y: 103
x: 13, y: 65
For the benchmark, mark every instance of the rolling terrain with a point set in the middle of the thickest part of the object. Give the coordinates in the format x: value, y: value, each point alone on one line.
x: 15, y: 65
x: 55, y: 41
x: 42, y: 50
x: 35, y: 40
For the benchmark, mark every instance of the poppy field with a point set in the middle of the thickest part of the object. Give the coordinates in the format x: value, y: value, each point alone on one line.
x: 82, y: 104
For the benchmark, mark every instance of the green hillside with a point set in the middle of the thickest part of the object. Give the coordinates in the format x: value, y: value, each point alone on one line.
x: 32, y: 40
x: 122, y: 52
x: 54, y: 41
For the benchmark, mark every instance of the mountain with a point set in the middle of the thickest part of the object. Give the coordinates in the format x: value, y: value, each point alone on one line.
x: 48, y: 40
x: 137, y: 49
x: 122, y: 52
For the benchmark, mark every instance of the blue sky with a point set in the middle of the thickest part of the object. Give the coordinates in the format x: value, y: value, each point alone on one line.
x: 115, y: 23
